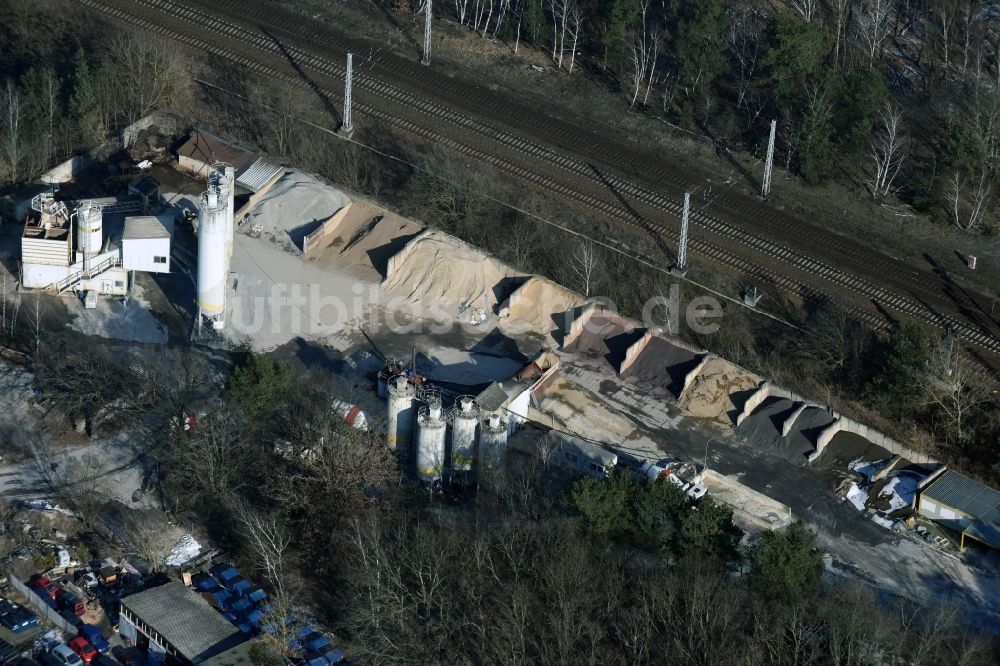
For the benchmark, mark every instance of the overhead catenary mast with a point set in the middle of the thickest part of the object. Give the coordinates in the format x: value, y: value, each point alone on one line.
x: 425, y: 59
x: 765, y: 187
x: 682, y: 247
x: 347, y: 128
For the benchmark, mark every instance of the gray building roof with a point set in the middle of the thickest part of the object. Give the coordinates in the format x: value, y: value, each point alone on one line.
x: 144, y: 226
x: 492, y: 398
x: 255, y: 175
x: 972, y: 498
x: 185, y: 620
x: 963, y: 494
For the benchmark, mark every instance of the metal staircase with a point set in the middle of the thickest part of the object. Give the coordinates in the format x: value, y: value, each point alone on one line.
x: 72, y: 280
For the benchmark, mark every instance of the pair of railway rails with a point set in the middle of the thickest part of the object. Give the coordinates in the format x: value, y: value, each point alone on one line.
x: 595, y: 172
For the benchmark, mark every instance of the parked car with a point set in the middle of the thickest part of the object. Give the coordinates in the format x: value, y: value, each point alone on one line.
x: 62, y: 655
x: 72, y: 603
x: 87, y: 580
x: 132, y: 657
x: 82, y: 647
x: 44, y: 586
x: 96, y: 638
x: 15, y: 617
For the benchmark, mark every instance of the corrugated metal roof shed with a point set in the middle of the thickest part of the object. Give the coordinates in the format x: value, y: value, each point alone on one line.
x: 184, y: 620
x: 964, y: 494
x: 143, y: 227
x: 255, y: 175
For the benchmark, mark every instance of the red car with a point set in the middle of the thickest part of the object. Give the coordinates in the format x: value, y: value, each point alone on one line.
x: 46, y: 586
x: 86, y: 651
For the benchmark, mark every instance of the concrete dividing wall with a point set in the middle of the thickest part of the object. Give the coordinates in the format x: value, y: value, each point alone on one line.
x: 578, y: 324
x: 63, y: 173
x: 317, y: 239
x: 873, y: 436
x: 547, y: 379
x: 766, y: 390
x: 634, y: 350
x: 693, y: 374
x: 753, y: 507
x: 398, y: 259
x: 41, y: 608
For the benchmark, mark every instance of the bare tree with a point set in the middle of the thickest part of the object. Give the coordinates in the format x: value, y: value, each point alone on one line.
x: 37, y: 314
x: 585, y: 262
x: 576, y: 21
x: 968, y: 217
x: 11, y: 141
x: 887, y: 149
x: 269, y: 540
x: 954, y: 388
x: 873, y: 26
x: 743, y: 39
x: 146, y: 74
x: 841, y: 14
x: 804, y: 8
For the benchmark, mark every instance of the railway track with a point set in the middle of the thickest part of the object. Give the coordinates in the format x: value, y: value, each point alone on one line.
x: 569, y: 167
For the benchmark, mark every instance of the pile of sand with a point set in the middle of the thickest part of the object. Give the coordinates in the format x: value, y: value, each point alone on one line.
x: 443, y: 275
x: 536, y: 301
x: 364, y: 240
x: 710, y: 394
x: 295, y: 207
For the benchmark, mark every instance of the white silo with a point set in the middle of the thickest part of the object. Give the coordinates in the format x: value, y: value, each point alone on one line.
x: 431, y: 432
x: 212, y: 260
x: 89, y: 231
x: 463, y: 434
x: 399, y: 403
x: 492, y: 441
x: 229, y: 187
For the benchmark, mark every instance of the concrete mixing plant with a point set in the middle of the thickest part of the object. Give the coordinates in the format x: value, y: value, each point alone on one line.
x: 464, y: 419
x: 429, y: 457
x: 215, y: 233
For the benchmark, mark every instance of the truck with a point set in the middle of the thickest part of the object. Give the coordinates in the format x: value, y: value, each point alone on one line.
x: 681, y: 474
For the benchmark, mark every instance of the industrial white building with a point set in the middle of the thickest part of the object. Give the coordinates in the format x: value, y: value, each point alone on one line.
x: 93, y: 246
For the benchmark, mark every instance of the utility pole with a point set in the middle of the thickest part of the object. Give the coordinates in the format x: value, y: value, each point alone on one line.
x: 347, y: 128
x: 682, y: 250
x: 765, y: 188
x: 426, y: 58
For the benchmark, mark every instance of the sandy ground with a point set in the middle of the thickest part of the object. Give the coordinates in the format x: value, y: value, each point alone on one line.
x: 718, y: 391
x: 113, y: 319
x: 539, y: 304
x: 294, y: 207
x: 444, y: 277
x: 364, y: 241
x: 276, y: 297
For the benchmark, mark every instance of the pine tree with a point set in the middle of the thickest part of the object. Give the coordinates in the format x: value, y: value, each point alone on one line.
x: 83, y: 109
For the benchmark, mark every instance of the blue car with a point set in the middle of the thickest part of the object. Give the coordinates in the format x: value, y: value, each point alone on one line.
x: 95, y: 637
x: 15, y: 617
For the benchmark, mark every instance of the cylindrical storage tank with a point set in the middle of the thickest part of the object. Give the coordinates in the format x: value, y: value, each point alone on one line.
x: 212, y: 254
x: 89, y: 223
x: 463, y: 434
x: 230, y: 180
x: 431, y: 432
x: 492, y: 441
x: 352, y: 414
x: 400, y: 413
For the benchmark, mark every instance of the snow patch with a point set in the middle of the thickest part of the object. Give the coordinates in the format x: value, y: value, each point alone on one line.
x: 867, y: 468
x: 186, y: 549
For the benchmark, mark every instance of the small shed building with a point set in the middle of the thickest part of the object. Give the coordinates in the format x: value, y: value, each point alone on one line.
x: 963, y: 505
